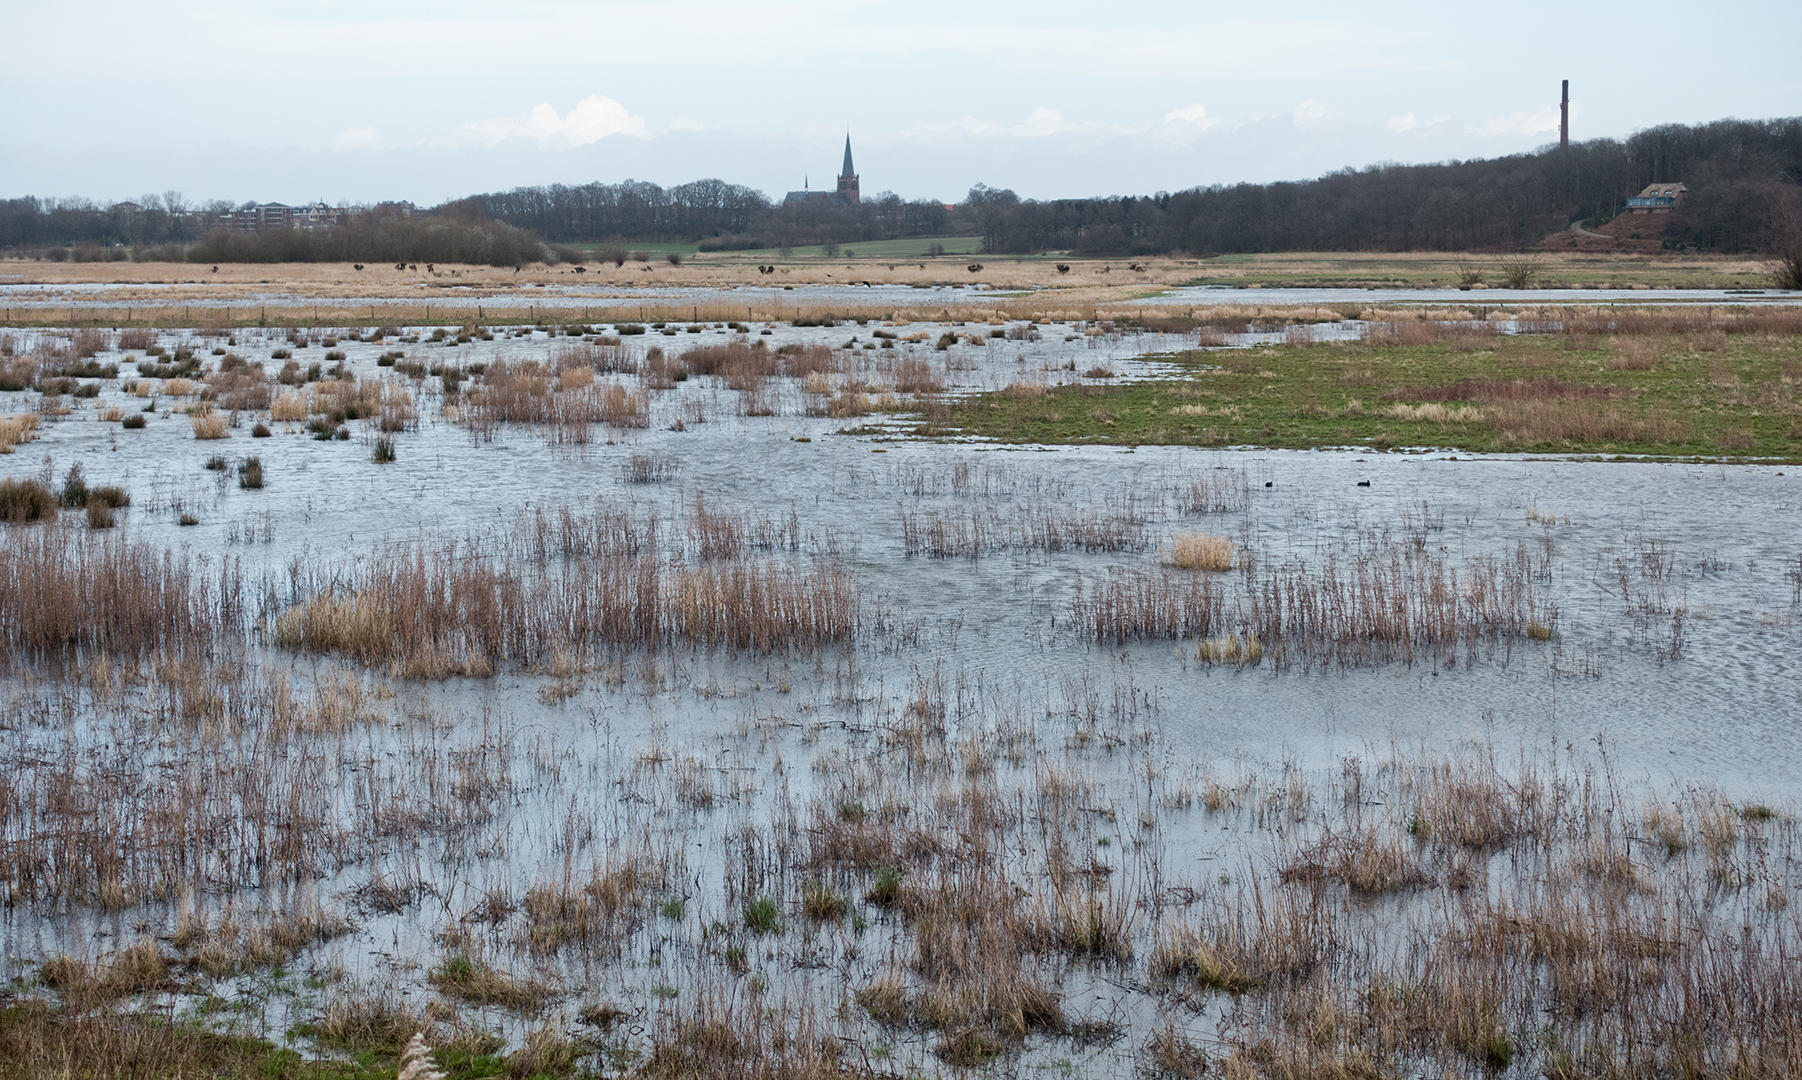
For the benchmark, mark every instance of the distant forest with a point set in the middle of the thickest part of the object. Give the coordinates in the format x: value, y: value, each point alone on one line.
x: 1744, y: 176
x: 1745, y: 180
x: 719, y: 215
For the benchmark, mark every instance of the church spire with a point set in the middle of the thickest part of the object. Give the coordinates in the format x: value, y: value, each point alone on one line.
x: 847, y: 171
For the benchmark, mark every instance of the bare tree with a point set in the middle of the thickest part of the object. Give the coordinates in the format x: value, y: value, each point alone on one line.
x: 1786, y: 234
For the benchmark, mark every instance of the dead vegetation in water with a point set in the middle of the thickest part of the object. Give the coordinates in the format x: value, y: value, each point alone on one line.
x: 1386, y: 599
x: 430, y: 613
x: 65, y: 592
x: 1449, y: 911
x: 1041, y: 525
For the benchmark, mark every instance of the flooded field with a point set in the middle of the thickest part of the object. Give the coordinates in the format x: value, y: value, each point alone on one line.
x: 687, y: 704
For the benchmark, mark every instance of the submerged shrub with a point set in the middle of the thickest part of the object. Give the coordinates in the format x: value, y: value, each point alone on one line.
x: 26, y: 500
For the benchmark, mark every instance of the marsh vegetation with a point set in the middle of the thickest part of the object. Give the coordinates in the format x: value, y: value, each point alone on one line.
x: 634, y: 718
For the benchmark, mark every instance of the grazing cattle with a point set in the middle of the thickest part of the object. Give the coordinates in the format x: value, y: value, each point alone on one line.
x: 359, y: 266
x: 581, y: 269
x: 974, y: 267
x: 400, y: 266
x: 1063, y: 268
x: 215, y: 269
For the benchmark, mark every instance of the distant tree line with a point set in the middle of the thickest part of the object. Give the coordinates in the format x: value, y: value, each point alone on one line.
x: 1741, y: 175
x: 166, y: 219
x: 721, y: 216
x: 1738, y: 172
x: 442, y: 238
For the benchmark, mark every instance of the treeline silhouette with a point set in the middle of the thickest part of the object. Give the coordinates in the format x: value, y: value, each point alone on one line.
x: 166, y: 229
x: 721, y: 216
x: 442, y: 238
x: 168, y: 219
x: 1741, y: 173
x: 1745, y: 180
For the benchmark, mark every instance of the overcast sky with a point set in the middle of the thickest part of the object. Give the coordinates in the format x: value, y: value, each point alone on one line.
x: 359, y: 102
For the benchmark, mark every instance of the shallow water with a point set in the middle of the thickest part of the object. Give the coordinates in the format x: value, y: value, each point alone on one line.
x: 1731, y: 531
x: 1222, y: 294
x: 1718, y: 708
x: 612, y: 299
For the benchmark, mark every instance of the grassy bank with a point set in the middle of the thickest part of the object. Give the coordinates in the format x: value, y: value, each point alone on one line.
x: 1442, y: 270
x: 1677, y: 395
x: 51, y: 1040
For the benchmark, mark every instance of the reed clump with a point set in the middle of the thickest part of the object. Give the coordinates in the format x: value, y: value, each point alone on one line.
x: 1198, y: 551
x: 1387, y: 600
x: 15, y: 430
x: 210, y: 425
x: 26, y: 500
x: 136, y: 338
x: 433, y: 614
x: 63, y: 591
x: 291, y: 406
x: 240, y: 387
x: 1230, y: 649
x: 470, y: 979
x: 1214, y: 491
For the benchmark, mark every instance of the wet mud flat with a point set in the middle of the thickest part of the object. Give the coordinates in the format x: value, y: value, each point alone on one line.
x: 674, y: 715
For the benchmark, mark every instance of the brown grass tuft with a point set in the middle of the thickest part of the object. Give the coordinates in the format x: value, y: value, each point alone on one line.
x: 1198, y: 551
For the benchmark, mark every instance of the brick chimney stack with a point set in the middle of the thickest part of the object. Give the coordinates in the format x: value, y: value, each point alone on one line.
x: 1564, y: 118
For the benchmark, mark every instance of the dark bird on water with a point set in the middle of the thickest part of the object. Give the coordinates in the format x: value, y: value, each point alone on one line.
x: 1270, y: 483
x: 1363, y: 483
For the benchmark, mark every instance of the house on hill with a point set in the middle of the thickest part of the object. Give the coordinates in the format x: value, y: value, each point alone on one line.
x: 845, y: 195
x: 1657, y: 198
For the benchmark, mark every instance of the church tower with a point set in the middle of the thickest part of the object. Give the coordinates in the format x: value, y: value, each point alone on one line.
x: 847, y: 178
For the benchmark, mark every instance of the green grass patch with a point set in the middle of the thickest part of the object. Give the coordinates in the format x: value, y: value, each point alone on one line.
x: 913, y: 247
x: 39, y: 1041
x: 1668, y: 397
x: 1445, y: 270
x: 655, y: 249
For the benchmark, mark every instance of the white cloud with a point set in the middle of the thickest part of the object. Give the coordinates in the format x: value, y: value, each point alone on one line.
x: 1310, y: 110
x: 1196, y: 115
x: 1040, y: 122
x: 357, y: 138
x: 1539, y: 120
x: 593, y: 119
x: 1410, y: 122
